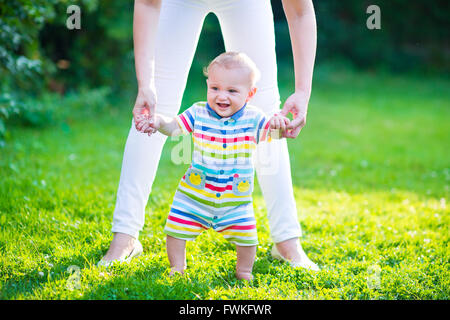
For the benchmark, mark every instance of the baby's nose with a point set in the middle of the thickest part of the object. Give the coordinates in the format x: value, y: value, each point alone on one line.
x: 222, y: 94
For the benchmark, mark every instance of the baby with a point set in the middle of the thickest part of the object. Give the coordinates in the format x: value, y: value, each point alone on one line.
x: 216, y: 190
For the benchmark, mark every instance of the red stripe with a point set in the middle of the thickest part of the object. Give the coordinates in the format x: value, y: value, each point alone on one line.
x: 188, y: 127
x: 186, y: 222
x: 249, y: 227
x: 220, y: 189
x: 224, y: 140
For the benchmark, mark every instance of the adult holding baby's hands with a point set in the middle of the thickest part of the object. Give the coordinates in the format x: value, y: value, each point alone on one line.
x: 165, y: 38
x: 296, y: 104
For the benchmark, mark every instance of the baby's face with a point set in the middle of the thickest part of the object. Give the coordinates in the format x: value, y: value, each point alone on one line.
x: 228, y: 90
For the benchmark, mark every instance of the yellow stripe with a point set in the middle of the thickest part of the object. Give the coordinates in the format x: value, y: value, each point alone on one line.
x: 239, y: 234
x: 211, y: 195
x: 245, y: 146
x: 172, y: 226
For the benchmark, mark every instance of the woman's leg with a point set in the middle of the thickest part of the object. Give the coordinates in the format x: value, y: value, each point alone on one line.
x: 178, y: 32
x: 248, y: 27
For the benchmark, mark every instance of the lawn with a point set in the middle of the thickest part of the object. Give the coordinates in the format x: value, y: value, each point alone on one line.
x: 371, y: 175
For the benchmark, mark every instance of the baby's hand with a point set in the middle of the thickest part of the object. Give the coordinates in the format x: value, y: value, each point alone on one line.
x: 151, y: 125
x: 278, y: 125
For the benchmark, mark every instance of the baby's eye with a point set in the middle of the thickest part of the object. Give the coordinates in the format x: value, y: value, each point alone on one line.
x: 232, y: 91
x: 214, y: 88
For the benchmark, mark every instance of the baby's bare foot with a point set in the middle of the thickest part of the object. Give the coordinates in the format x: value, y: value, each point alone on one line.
x: 240, y: 275
x: 176, y: 270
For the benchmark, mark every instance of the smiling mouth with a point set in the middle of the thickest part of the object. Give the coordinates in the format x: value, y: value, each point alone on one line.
x: 223, y: 105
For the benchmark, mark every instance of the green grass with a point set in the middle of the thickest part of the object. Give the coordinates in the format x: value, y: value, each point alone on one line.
x: 370, y: 171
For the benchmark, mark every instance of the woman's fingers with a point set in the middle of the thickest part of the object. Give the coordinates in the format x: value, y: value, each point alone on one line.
x: 294, y: 127
x: 297, y: 122
x: 140, y: 116
x: 139, y: 125
x: 292, y: 133
x: 144, y: 123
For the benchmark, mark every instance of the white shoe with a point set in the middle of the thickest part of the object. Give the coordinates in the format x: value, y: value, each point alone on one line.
x: 305, y: 262
x: 137, y: 251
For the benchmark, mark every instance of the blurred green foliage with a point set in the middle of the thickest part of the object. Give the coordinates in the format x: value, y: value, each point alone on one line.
x: 413, y: 35
x: 38, y: 53
x: 26, y: 70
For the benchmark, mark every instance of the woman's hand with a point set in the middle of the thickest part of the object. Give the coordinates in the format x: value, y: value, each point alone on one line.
x: 297, y: 104
x: 144, y: 110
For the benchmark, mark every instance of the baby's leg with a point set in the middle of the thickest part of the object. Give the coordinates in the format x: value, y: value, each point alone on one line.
x: 176, y: 251
x: 245, y: 259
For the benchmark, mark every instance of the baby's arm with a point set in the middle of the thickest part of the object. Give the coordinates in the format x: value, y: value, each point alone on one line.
x: 166, y: 125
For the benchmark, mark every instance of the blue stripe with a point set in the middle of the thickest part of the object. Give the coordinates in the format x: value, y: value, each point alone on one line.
x: 223, y: 131
x: 188, y: 205
x: 225, y: 172
x: 233, y: 215
x: 188, y: 113
x: 182, y: 213
x: 259, y: 128
x: 217, y: 211
x: 230, y: 124
x: 235, y: 221
x: 220, y: 163
x: 219, y: 180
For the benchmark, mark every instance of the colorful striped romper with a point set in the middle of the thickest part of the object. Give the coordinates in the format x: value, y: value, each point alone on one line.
x: 216, y: 190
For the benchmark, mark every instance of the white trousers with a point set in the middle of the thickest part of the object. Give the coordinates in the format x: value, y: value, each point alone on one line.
x: 247, y: 26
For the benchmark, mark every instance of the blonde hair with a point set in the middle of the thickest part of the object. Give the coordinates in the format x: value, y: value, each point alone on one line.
x: 229, y: 60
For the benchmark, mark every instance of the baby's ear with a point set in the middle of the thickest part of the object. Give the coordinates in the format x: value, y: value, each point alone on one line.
x: 251, y: 93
